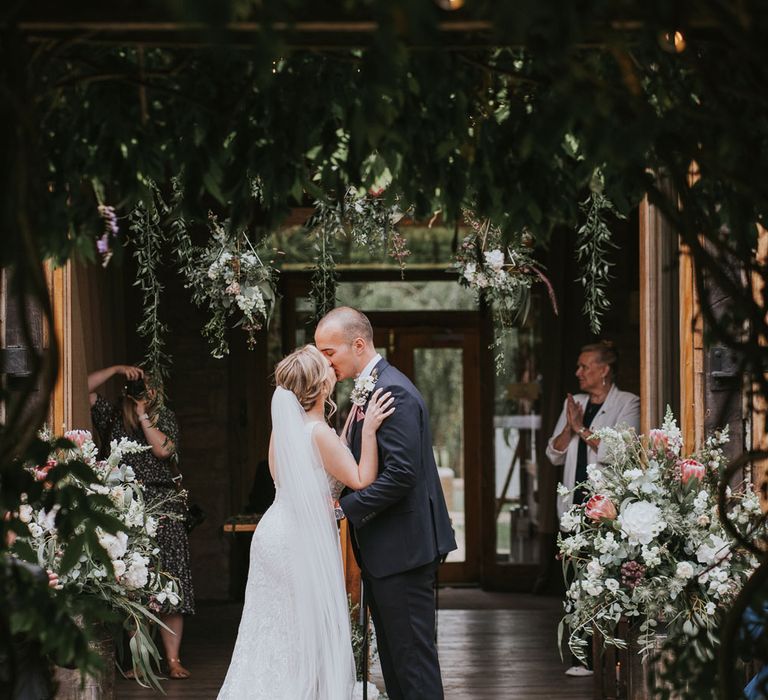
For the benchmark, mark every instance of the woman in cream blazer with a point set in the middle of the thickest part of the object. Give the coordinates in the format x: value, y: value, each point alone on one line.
x: 596, y: 373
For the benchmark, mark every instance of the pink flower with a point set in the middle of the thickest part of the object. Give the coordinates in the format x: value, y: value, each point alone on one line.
x: 691, y: 469
x: 658, y: 440
x: 77, y: 436
x: 41, y: 473
x: 599, y: 507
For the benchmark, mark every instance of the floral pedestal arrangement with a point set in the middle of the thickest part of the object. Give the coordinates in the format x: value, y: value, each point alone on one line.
x: 649, y: 547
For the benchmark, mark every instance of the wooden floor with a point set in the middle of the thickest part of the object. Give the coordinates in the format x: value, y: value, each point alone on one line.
x: 492, y: 647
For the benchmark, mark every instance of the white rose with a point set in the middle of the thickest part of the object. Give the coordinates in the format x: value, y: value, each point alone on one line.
x: 640, y: 522
x: 118, y: 565
x: 612, y: 585
x: 35, y: 529
x: 711, y: 608
x: 685, y: 570
x: 26, y: 513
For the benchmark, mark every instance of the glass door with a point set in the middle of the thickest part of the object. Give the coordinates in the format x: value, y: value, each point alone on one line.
x: 443, y: 364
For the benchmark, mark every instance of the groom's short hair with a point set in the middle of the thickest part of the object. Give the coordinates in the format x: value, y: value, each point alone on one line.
x: 353, y: 323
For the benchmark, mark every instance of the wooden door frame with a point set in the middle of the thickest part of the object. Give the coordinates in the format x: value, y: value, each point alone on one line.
x: 466, y: 329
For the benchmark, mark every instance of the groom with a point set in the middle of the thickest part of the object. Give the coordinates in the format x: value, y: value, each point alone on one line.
x: 400, y: 524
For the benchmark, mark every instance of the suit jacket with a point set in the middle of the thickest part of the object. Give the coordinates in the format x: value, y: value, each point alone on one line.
x: 400, y: 521
x: 619, y: 408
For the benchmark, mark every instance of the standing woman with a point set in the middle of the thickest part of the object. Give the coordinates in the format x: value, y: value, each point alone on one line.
x: 142, y: 417
x: 601, y: 404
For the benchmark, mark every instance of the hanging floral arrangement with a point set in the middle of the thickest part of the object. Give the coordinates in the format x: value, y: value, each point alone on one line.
x: 229, y: 278
x: 501, y: 273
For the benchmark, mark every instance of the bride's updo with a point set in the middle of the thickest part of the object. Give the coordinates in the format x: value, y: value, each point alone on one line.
x: 304, y: 372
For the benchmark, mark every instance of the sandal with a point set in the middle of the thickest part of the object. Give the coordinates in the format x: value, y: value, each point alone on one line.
x: 176, y: 671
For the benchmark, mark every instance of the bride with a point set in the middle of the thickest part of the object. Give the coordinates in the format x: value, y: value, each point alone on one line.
x: 294, y: 637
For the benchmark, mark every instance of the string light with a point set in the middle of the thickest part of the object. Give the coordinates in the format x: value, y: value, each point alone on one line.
x: 672, y: 42
x: 449, y: 4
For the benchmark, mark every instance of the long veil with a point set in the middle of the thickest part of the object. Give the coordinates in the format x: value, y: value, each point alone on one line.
x: 326, y: 667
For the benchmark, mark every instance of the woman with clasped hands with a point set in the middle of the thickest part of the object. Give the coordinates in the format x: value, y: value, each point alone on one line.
x: 600, y: 404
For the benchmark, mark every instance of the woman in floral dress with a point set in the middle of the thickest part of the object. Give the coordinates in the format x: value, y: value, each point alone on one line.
x: 142, y: 418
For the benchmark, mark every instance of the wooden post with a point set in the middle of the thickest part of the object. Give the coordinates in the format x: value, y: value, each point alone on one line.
x: 691, y: 356
x: 60, y: 290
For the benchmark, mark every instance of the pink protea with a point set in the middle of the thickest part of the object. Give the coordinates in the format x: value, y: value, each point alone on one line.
x: 658, y: 440
x: 691, y: 469
x: 600, y: 507
x: 79, y: 437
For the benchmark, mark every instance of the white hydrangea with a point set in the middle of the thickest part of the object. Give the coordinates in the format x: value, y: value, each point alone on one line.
x: 640, y: 522
x: 137, y: 574
x: 495, y: 259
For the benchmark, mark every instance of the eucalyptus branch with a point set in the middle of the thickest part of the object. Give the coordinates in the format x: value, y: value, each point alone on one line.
x: 593, y: 242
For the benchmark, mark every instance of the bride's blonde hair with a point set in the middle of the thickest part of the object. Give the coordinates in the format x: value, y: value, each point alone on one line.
x: 304, y: 372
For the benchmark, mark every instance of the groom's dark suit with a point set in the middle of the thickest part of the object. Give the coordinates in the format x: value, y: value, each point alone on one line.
x: 401, y: 530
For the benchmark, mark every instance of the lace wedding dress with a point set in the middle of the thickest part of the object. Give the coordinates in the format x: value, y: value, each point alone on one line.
x: 294, y: 637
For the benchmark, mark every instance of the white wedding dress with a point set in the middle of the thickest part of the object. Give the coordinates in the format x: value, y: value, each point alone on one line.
x: 294, y: 637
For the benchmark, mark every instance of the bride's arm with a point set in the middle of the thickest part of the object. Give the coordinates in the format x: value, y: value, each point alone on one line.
x: 338, y: 460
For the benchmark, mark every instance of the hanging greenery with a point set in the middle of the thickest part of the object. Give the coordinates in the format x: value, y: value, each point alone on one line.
x: 593, y: 243
x: 147, y: 243
x: 228, y: 278
x: 501, y: 272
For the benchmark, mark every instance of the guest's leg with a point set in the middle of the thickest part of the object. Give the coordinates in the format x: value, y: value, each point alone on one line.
x: 172, y: 644
x: 405, y: 606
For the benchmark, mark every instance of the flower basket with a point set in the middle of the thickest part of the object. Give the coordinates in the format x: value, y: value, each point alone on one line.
x: 70, y: 683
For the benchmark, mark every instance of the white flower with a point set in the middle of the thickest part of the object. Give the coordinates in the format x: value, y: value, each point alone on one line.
x: 685, y: 570
x: 35, y: 529
x: 363, y: 388
x: 116, y: 545
x: 481, y: 280
x: 570, y: 520
x: 595, y: 476
x: 651, y: 555
x: 594, y: 569
x: 470, y: 270
x: 594, y: 588
x: 562, y: 490
x: 714, y: 548
x: 118, y: 565
x: 703, y: 520
x: 612, y: 584
x: 151, y: 526
x: 137, y: 574
x: 495, y: 259
x: 711, y: 608
x: 25, y: 513
x: 640, y: 522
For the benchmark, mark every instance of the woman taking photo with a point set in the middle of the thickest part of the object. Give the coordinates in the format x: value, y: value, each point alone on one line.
x: 141, y: 416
